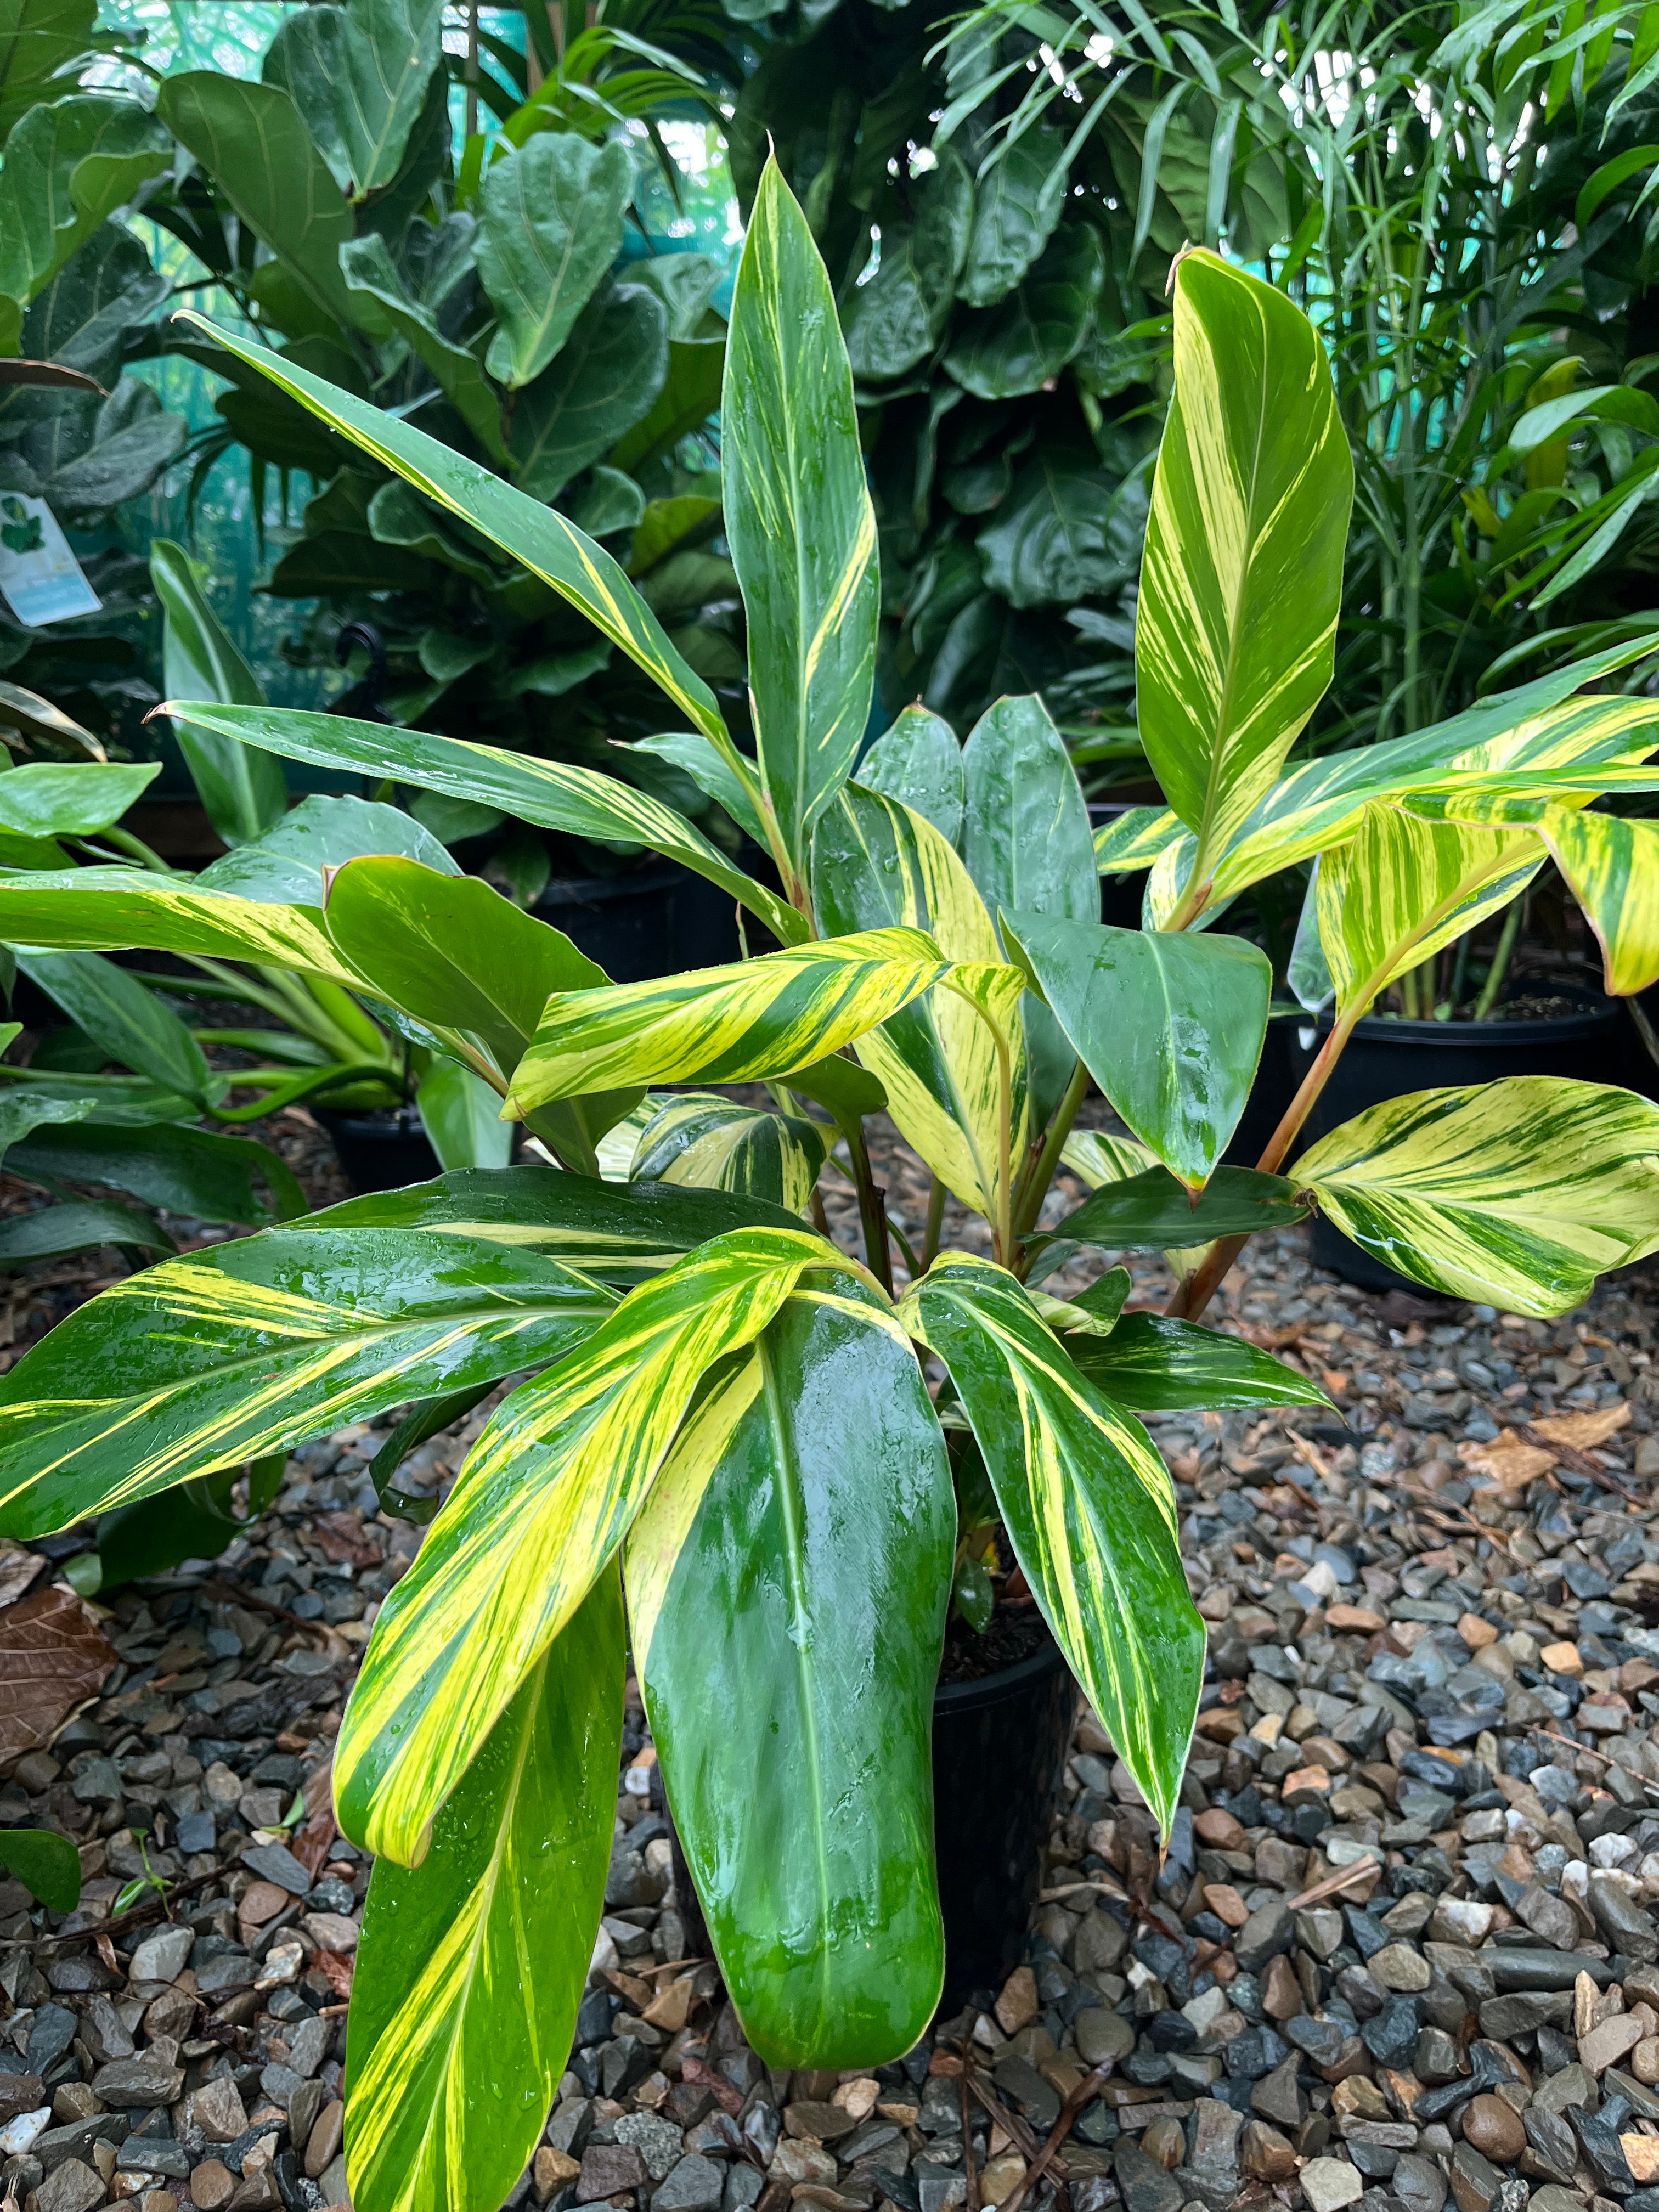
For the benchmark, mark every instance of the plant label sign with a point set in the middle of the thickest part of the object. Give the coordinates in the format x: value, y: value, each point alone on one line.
x: 40, y: 578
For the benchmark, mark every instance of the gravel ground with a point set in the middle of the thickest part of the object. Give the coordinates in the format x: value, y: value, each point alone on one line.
x: 1403, y: 1946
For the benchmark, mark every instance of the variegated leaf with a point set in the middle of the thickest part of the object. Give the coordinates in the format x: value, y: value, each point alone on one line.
x: 798, y: 516
x: 876, y: 863
x: 787, y: 1582
x: 116, y: 909
x: 251, y: 1347
x: 1403, y: 887
x: 745, y: 1023
x: 1155, y: 1365
x: 546, y: 1495
x: 1516, y: 1194
x: 723, y: 1145
x: 1135, y: 839
x: 1089, y: 1509
x: 471, y: 1966
x: 1611, y: 865
x: 1242, y: 570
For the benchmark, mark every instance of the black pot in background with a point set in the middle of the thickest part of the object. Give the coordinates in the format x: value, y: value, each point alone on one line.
x: 999, y: 1747
x: 1389, y: 1059
x: 381, y: 1151
x: 650, y: 921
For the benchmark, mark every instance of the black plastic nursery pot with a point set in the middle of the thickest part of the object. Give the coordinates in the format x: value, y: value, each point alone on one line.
x: 647, y: 922
x: 999, y: 1747
x: 382, y: 1151
x: 1389, y: 1059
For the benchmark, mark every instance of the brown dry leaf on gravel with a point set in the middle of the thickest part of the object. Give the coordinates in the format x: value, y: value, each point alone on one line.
x: 53, y: 1656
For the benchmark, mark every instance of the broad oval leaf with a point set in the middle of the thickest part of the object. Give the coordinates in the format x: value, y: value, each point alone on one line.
x: 549, y: 225
x: 873, y: 863
x: 1170, y: 1027
x: 288, y: 864
x: 1154, y: 1365
x: 604, y: 379
x: 1611, y: 864
x: 918, y: 762
x: 1152, y: 1212
x: 471, y: 1967
x: 745, y: 1023
x: 1517, y: 1194
x: 720, y: 1144
x: 1022, y: 343
x: 130, y: 1024
x: 1242, y: 571
x: 787, y: 1583
x: 1020, y: 198
x: 546, y: 1496
x: 1089, y: 1509
x: 798, y: 515
x: 362, y: 89
x: 70, y: 799
x: 251, y: 1347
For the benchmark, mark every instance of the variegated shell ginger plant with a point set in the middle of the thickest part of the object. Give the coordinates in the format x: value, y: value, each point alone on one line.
x: 728, y: 1456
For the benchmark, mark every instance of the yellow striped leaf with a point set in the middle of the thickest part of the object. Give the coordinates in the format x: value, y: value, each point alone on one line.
x: 548, y: 545
x: 471, y: 1966
x: 876, y: 863
x: 1517, y: 1194
x: 723, y: 1145
x: 787, y: 1582
x: 1612, y: 868
x: 745, y: 1023
x: 251, y: 1347
x: 1403, y: 887
x: 798, y: 515
x: 1089, y: 1509
x: 116, y: 910
x: 1135, y: 840
x: 546, y: 1495
x: 1242, y: 570
x: 1099, y: 1156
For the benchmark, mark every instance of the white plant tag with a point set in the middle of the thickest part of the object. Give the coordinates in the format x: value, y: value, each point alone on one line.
x: 40, y: 578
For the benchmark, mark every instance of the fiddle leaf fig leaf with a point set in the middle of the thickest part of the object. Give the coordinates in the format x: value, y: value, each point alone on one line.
x: 70, y: 164
x: 549, y: 226
x: 379, y: 294
x: 359, y: 76
x: 786, y: 1585
x: 1089, y: 1508
x: 1242, y: 572
x: 1021, y: 196
x: 1517, y: 1194
x: 798, y: 517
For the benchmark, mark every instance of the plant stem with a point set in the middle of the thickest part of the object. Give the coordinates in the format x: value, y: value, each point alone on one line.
x: 1190, y: 1298
x: 124, y: 841
x: 1005, y: 1224
x: 1500, y: 963
x: 872, y: 1214
x: 936, y: 1211
x: 1034, y: 1188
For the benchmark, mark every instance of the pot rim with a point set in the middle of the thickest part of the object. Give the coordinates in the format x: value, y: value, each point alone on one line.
x: 1541, y: 1029
x: 562, y: 891
x: 396, y: 1124
x: 990, y: 1689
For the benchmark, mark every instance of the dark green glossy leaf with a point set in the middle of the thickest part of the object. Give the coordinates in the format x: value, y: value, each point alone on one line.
x: 1089, y: 1509
x: 197, y: 1520
x: 381, y: 302
x: 359, y: 76
x: 243, y: 790
x: 70, y: 163
x: 421, y: 1422
x: 27, y: 1106
x: 1068, y: 531
x: 549, y: 225
x: 196, y: 1172
x: 461, y: 1114
x: 472, y: 1965
x: 38, y: 40
x: 249, y: 1348
x: 128, y: 1021
x: 1159, y: 1365
x: 918, y: 762
x: 1151, y: 1212
x: 798, y: 516
x: 848, y: 1091
x: 1020, y: 198
x: 689, y: 396
x: 47, y: 1864
x: 606, y: 376
x: 1027, y: 338
x: 787, y: 1582
x: 1170, y: 1026
x: 58, y: 1230
x: 1027, y: 843
x: 894, y: 318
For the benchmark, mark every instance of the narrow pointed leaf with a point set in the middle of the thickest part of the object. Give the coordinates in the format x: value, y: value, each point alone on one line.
x: 1517, y: 1194
x: 755, y: 1019
x: 1089, y: 1509
x: 192, y: 1172
x: 787, y: 1583
x: 1135, y: 840
x: 242, y: 790
x: 546, y: 1496
x: 1242, y: 569
x: 251, y: 1347
x: 876, y: 863
x: 471, y: 1967
x: 462, y: 1117
x: 723, y: 1145
x: 1026, y: 843
x: 129, y: 1023
x: 918, y: 762
x: 544, y: 542
x: 1155, y: 1365
x: 78, y: 1226
x: 798, y: 515
x: 574, y: 800
x: 1170, y: 1027
x: 1151, y: 1212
